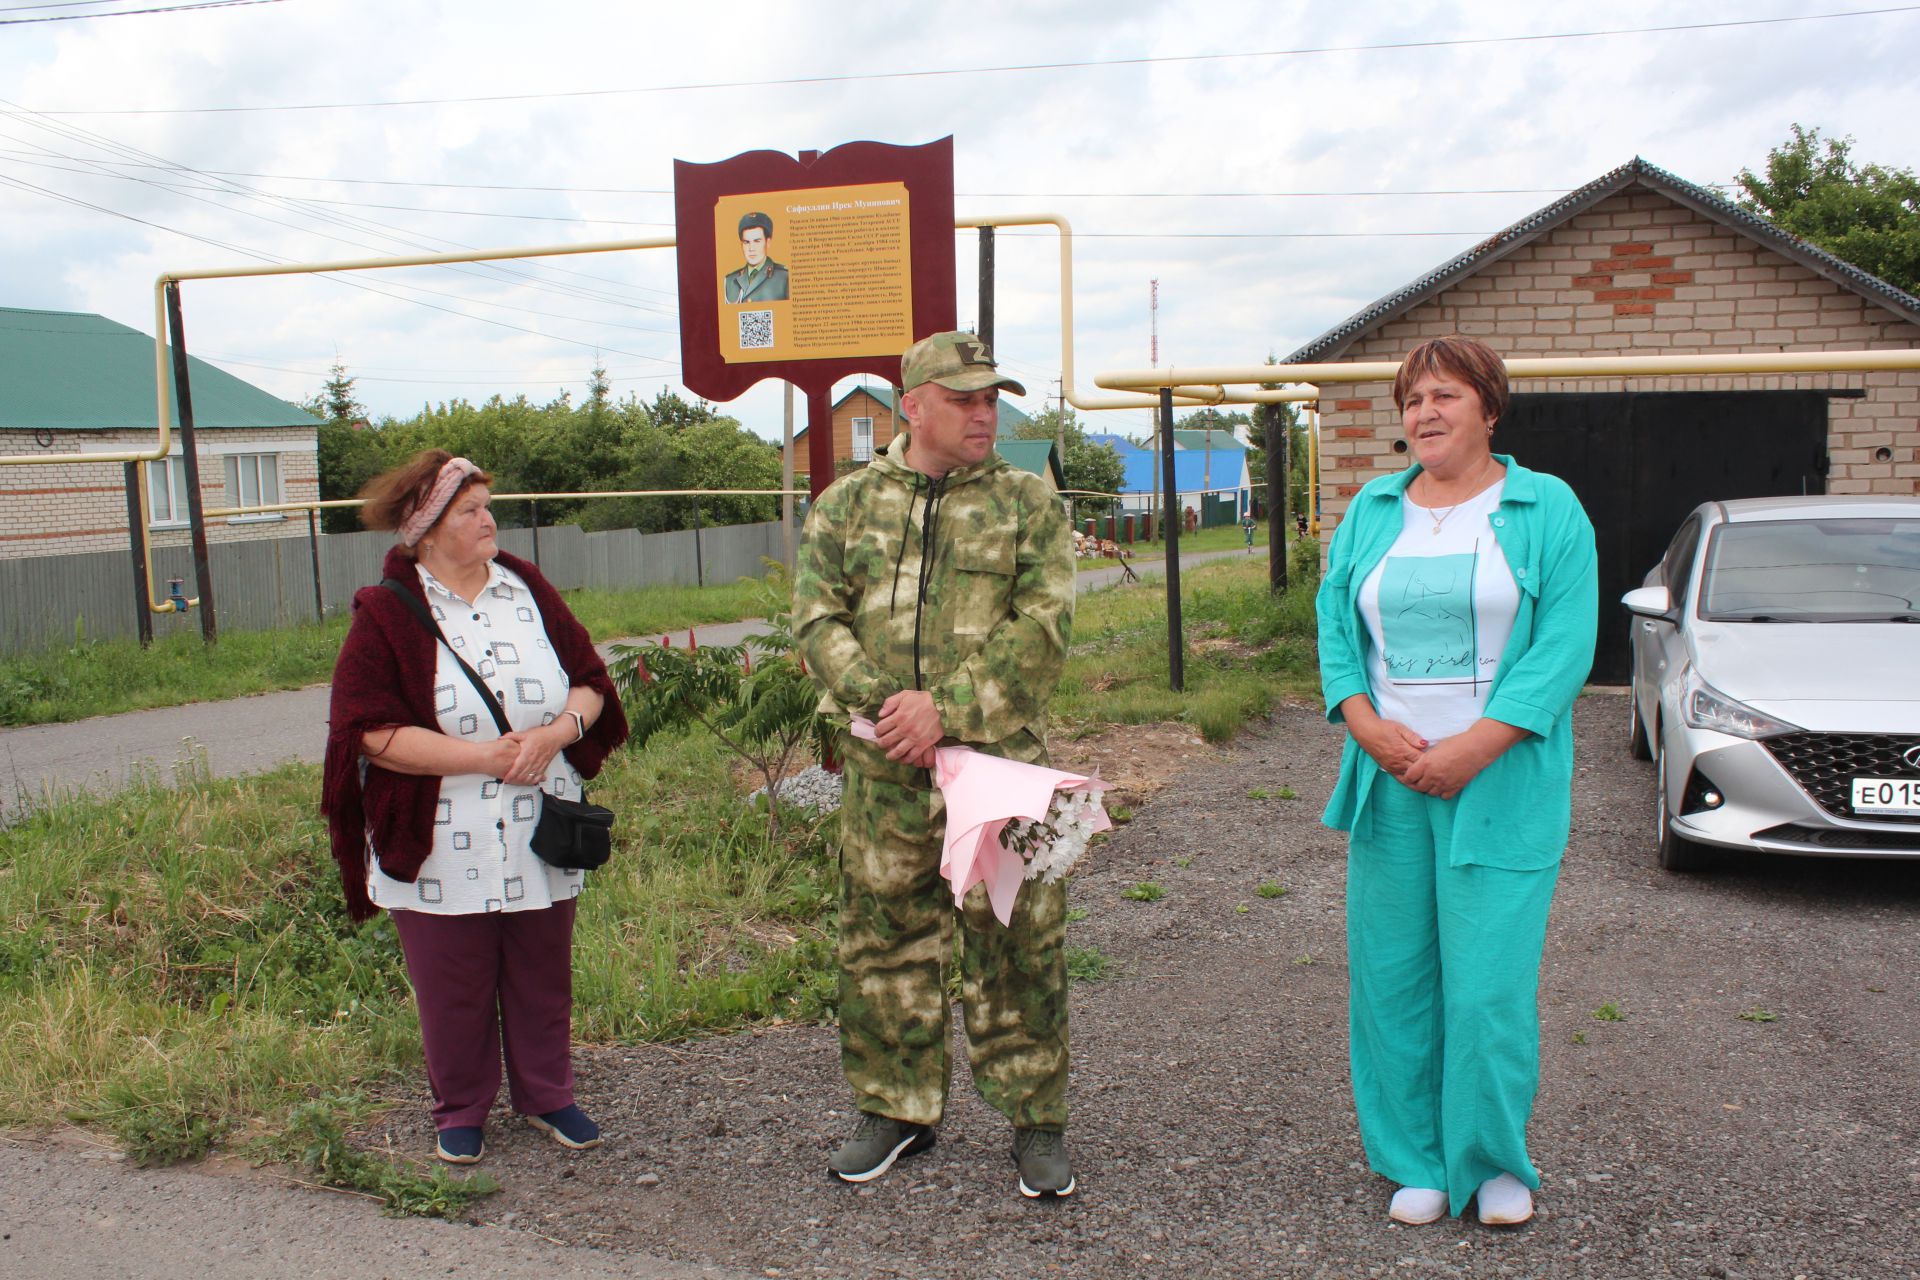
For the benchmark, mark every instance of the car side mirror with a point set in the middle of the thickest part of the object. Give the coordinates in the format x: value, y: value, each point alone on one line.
x: 1650, y: 602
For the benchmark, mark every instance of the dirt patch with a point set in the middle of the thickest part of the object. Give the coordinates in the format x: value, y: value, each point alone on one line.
x: 1138, y: 759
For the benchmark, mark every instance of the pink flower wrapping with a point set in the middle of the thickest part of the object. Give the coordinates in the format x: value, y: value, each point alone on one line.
x: 983, y: 794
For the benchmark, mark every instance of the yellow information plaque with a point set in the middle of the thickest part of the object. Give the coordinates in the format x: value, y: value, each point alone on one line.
x: 813, y: 274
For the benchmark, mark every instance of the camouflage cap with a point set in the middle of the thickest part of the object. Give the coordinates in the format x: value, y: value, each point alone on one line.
x: 957, y: 361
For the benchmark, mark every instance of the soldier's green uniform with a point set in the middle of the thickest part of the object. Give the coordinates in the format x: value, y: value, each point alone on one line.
x: 962, y: 587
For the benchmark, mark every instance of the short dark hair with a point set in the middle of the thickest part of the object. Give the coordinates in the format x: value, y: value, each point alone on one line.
x: 1457, y: 356
x: 759, y: 220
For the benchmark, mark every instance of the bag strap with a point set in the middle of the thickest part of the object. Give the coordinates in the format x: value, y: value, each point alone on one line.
x: 426, y: 620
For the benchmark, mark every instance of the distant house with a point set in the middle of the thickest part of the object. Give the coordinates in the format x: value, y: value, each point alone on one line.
x: 73, y: 382
x: 1205, y: 462
x: 1037, y: 457
x: 1211, y: 481
x: 864, y: 419
x: 1640, y: 262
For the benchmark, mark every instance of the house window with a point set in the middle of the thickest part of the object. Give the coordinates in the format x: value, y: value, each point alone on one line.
x: 863, y: 439
x: 253, y: 480
x: 167, y: 492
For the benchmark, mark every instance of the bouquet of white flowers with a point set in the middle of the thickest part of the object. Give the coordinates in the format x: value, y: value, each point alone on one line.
x: 1052, y: 845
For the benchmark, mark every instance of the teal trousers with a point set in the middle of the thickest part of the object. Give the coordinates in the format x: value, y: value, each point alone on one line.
x: 1443, y: 1014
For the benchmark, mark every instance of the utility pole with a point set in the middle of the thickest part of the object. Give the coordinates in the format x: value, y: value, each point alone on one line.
x: 786, y: 482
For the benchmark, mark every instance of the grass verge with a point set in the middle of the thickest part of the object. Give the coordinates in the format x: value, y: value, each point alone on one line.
x: 1244, y: 648
x: 107, y: 677
x: 179, y: 971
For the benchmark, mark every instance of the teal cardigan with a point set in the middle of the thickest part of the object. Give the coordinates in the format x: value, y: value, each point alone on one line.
x: 1517, y: 812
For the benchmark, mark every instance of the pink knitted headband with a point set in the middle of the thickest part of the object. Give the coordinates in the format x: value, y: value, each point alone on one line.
x: 453, y: 474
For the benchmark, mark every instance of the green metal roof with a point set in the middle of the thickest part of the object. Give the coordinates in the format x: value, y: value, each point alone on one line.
x: 1010, y: 421
x: 1036, y: 457
x: 1205, y: 439
x: 75, y: 371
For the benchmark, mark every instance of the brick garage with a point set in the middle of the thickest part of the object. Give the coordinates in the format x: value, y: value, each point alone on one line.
x: 1641, y: 262
x: 72, y: 382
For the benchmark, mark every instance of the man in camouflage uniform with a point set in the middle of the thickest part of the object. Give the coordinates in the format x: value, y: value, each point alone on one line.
x: 934, y: 596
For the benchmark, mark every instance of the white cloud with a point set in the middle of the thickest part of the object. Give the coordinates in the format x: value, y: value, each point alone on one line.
x: 1542, y: 114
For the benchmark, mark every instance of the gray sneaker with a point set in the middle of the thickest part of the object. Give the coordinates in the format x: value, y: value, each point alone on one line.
x: 1042, y: 1157
x: 876, y: 1143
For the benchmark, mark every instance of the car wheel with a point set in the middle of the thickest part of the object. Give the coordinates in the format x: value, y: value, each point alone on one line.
x: 1676, y: 853
x: 1638, y: 745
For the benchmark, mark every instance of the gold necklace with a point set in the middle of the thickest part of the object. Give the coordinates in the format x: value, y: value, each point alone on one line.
x: 1439, y: 520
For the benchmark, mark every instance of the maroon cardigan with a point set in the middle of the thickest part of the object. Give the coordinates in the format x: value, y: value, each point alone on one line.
x: 384, y: 676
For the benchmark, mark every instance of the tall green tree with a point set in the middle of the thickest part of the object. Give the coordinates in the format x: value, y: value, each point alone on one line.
x: 1868, y: 215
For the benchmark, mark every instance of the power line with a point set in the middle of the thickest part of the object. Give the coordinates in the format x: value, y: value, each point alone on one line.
x: 130, y: 13
x: 488, y: 271
x: 661, y: 190
x: 1004, y: 69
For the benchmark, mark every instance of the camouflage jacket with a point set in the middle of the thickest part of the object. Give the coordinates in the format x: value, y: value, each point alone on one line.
x: 983, y: 624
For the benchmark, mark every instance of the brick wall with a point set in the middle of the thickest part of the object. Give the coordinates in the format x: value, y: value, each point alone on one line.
x: 1638, y: 274
x: 82, y: 506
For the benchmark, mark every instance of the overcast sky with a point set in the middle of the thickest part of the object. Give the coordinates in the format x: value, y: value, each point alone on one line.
x: 1192, y: 143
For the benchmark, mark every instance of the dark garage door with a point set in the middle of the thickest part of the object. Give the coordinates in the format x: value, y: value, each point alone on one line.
x: 1640, y: 461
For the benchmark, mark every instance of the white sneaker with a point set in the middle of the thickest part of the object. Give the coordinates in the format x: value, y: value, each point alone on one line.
x: 1504, y: 1201
x: 1417, y: 1206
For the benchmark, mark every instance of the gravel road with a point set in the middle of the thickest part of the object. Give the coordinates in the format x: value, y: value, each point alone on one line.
x: 1212, y: 1127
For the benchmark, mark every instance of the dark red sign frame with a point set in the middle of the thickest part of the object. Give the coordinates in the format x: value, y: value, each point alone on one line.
x: 927, y: 172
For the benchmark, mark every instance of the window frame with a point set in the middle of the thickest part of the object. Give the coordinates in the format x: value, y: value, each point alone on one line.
x: 858, y: 456
x: 232, y: 469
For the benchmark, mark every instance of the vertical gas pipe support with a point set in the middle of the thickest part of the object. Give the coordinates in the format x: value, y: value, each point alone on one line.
x: 986, y: 286
x: 313, y: 550
x: 1277, y: 441
x: 142, y: 615
x: 190, y: 455
x: 1176, y: 649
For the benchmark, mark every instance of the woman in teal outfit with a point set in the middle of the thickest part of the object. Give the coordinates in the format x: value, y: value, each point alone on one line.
x: 1457, y: 621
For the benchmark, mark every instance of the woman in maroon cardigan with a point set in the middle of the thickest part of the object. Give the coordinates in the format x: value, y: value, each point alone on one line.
x: 431, y: 808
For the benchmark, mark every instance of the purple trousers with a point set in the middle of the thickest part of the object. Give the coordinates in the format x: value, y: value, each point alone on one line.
x: 482, y: 979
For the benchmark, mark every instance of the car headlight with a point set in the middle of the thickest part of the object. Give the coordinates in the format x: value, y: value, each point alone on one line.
x: 1705, y: 707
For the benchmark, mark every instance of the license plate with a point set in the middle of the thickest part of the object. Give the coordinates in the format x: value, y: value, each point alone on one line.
x: 1886, y: 795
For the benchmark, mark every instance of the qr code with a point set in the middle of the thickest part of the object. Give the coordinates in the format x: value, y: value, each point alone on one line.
x: 756, y: 330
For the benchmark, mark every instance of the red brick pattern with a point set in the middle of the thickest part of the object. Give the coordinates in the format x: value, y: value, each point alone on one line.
x: 68, y: 507
x: 1639, y: 274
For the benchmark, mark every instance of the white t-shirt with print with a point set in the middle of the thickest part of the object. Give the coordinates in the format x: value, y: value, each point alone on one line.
x: 483, y: 858
x: 1439, y: 608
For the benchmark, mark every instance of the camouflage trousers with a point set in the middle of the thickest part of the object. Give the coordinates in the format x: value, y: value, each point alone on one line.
x: 896, y: 946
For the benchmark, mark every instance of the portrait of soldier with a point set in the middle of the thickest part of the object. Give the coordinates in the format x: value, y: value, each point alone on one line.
x: 761, y: 279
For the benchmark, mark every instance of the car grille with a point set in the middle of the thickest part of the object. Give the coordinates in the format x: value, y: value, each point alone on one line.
x: 1825, y: 764
x: 1844, y: 840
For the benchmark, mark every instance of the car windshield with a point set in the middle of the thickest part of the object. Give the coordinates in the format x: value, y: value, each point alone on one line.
x: 1825, y: 570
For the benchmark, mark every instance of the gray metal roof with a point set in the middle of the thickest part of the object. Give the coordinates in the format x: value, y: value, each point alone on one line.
x: 1636, y: 172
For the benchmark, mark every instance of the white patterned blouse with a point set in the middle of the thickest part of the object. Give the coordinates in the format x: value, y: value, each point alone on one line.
x: 482, y: 858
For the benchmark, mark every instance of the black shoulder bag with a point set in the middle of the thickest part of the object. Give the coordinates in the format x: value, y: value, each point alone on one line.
x: 571, y: 834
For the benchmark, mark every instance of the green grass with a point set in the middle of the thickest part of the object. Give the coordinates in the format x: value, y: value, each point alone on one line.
x: 1610, y: 1012
x: 1088, y: 964
x: 178, y: 970
x: 1244, y: 648
x: 1759, y: 1015
x: 1145, y: 891
x: 106, y: 677
x: 1271, y: 889
x: 1221, y: 538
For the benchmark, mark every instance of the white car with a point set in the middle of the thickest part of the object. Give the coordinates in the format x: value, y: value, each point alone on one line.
x: 1776, y: 679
